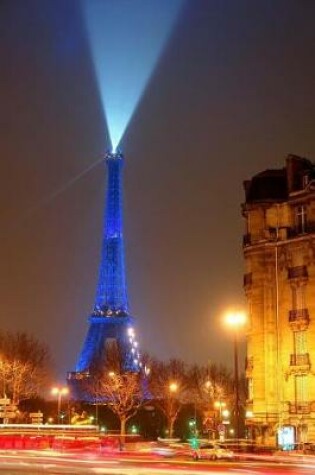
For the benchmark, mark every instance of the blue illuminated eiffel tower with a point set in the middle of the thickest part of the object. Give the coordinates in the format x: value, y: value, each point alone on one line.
x: 110, y: 320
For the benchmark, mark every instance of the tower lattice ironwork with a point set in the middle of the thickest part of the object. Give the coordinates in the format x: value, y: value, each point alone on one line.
x: 110, y: 319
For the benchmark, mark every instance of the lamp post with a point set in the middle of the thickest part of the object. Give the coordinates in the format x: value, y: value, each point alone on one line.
x: 59, y: 392
x: 236, y: 320
x: 173, y: 387
x: 219, y: 405
x: 3, y: 370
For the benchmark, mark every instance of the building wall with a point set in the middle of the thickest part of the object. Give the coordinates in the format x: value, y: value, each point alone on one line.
x: 279, y: 283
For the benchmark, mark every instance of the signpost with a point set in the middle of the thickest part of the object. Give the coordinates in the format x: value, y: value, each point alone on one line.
x: 221, y: 430
x: 36, y: 417
x: 5, y: 401
x: 7, y: 411
x: 7, y: 415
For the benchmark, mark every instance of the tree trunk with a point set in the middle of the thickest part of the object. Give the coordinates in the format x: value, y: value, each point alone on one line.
x: 171, y: 428
x: 122, y: 432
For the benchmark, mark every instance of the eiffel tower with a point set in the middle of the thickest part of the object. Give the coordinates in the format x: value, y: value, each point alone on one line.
x: 110, y: 320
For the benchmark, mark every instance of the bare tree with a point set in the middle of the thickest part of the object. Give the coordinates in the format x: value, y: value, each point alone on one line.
x: 24, y: 365
x: 109, y: 384
x: 211, y: 383
x: 169, y: 386
x: 212, y: 390
x: 124, y: 395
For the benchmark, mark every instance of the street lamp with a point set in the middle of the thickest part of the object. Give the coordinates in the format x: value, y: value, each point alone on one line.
x: 59, y: 392
x: 236, y: 320
x: 225, y: 413
x: 3, y: 371
x: 173, y: 387
x: 219, y: 405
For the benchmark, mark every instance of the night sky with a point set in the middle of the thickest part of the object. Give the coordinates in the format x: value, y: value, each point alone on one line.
x: 232, y: 94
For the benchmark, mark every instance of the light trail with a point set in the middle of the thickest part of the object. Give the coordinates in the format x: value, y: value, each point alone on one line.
x: 97, y: 463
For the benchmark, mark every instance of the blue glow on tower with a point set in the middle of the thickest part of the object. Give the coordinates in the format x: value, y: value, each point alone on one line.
x: 110, y: 319
x: 126, y: 40
x: 111, y: 294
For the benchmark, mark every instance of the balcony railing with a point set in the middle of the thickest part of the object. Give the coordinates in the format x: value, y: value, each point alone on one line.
x: 299, y: 407
x: 297, y: 272
x: 299, y: 318
x: 308, y: 228
x: 271, y: 234
x: 300, y: 360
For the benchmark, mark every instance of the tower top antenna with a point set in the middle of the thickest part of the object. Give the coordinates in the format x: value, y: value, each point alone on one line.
x: 114, y: 155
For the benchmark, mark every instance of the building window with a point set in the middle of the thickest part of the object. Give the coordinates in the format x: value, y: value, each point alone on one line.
x: 301, y: 388
x: 294, y: 298
x: 300, y: 219
x: 250, y: 389
x: 300, y: 297
x: 300, y: 344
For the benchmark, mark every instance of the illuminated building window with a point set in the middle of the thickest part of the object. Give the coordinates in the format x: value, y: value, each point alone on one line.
x: 298, y: 297
x: 300, y: 343
x: 301, y: 387
x: 250, y: 389
x: 294, y: 298
x: 300, y: 219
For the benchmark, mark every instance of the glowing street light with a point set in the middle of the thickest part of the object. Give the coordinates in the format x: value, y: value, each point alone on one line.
x: 219, y: 405
x: 225, y: 413
x: 59, y: 392
x: 236, y: 321
x: 173, y: 387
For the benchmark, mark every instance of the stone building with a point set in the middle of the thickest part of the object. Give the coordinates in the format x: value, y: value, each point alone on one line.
x: 279, y: 283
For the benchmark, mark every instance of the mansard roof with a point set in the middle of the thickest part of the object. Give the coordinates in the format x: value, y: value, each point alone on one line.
x: 269, y: 185
x: 277, y: 184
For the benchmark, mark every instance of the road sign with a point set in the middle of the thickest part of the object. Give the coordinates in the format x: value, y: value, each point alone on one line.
x: 8, y: 408
x: 221, y: 428
x: 5, y: 401
x: 7, y: 415
x: 36, y: 415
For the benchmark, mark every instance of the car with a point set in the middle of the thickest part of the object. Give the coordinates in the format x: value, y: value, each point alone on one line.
x: 172, y: 449
x: 212, y: 451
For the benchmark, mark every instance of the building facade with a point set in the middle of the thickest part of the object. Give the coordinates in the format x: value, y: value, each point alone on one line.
x: 279, y: 283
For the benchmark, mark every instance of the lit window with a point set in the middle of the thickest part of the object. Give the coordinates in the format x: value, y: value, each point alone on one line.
x: 300, y: 219
x: 300, y: 342
x: 301, y: 388
x: 250, y: 388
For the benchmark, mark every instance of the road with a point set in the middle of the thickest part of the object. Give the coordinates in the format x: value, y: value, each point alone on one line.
x: 53, y: 463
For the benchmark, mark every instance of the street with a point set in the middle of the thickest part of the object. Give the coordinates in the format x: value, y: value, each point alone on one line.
x: 54, y: 463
